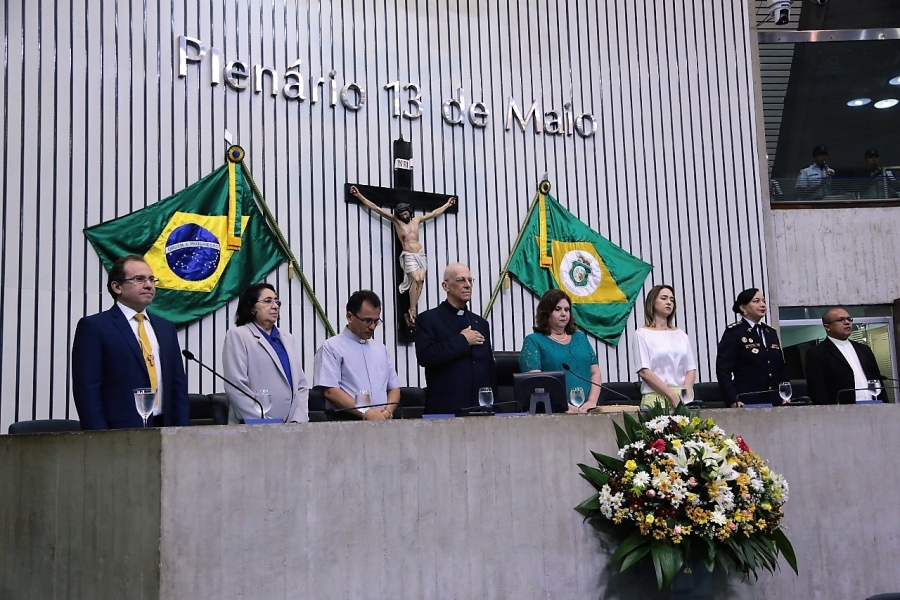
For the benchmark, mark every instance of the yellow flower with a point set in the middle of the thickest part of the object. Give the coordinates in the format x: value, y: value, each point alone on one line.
x: 649, y: 519
x: 695, y: 421
x: 765, y: 506
x: 630, y: 465
x: 676, y: 443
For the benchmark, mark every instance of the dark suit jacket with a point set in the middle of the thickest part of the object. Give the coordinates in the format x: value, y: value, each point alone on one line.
x: 454, y: 370
x: 107, y: 365
x: 827, y: 372
x: 756, y: 367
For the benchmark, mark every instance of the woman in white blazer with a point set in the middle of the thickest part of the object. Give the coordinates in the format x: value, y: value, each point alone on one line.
x: 258, y: 356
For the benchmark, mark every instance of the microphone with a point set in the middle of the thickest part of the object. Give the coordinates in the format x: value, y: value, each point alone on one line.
x: 568, y: 369
x: 865, y: 389
x: 190, y: 356
x: 334, y: 411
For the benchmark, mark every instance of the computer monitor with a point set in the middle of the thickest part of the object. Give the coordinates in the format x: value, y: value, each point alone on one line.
x: 545, y: 387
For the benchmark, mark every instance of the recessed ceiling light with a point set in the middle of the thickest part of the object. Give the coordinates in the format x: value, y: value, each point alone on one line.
x: 895, y: 80
x: 889, y: 102
x: 859, y: 102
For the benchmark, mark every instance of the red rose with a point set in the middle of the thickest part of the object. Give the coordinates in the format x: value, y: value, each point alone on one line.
x: 658, y: 445
x: 742, y: 444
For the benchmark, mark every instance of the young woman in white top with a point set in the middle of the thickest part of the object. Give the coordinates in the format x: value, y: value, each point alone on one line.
x: 662, y: 352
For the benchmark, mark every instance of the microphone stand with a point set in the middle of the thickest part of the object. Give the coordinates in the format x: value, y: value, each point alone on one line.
x: 190, y: 356
x: 568, y: 369
x: 865, y: 389
x: 479, y: 411
x: 335, y: 411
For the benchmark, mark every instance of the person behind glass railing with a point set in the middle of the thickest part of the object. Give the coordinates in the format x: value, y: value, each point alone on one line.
x: 663, y: 352
x: 257, y: 356
x: 879, y: 182
x: 815, y: 180
x: 555, y: 341
x: 749, y: 358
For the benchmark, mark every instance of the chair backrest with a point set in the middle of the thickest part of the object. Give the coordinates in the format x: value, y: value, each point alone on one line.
x: 44, y: 426
x: 412, y: 403
x: 219, y: 405
x: 506, y: 365
x: 200, y: 410
x: 629, y: 389
x: 709, y: 393
x: 316, y: 406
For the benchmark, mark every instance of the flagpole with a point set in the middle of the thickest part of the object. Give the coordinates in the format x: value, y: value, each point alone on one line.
x: 284, y: 246
x: 505, y: 272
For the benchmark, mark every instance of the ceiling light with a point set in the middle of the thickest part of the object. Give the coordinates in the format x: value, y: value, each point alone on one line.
x: 887, y: 103
x: 859, y: 102
x: 895, y: 80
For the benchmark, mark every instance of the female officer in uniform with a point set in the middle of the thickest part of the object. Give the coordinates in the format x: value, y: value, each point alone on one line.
x: 750, y: 357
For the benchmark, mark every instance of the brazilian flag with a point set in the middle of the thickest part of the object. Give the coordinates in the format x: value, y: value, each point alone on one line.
x: 555, y: 250
x: 206, y: 244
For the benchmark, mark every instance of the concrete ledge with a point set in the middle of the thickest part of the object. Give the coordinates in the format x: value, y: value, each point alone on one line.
x: 462, y: 508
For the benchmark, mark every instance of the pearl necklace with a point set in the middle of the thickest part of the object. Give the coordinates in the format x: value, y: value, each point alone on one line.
x: 553, y: 336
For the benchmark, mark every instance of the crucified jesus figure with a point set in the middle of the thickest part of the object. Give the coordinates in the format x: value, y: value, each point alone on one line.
x: 412, y: 258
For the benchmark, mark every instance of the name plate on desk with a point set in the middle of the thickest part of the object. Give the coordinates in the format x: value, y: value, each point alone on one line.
x: 262, y: 421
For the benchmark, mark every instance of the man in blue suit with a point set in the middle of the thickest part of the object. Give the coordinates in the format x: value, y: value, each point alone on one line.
x: 124, y: 348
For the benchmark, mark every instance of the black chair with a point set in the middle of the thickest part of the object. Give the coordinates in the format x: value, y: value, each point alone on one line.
x: 710, y: 394
x: 200, y: 410
x: 219, y: 405
x: 412, y: 403
x: 316, y: 406
x: 44, y: 426
x: 884, y: 597
x: 620, y: 392
x: 506, y: 365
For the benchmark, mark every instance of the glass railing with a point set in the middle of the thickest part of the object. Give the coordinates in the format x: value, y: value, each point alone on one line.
x: 789, y: 189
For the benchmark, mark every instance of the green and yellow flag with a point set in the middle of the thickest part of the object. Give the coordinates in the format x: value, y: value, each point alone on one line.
x: 206, y: 243
x: 556, y: 250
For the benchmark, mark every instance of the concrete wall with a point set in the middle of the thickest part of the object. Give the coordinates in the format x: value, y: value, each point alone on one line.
x: 476, y: 508
x: 836, y: 256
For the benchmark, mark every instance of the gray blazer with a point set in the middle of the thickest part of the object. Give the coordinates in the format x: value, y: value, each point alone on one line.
x: 251, y: 363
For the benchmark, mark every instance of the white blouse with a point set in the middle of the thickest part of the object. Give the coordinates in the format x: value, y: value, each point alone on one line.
x: 667, y: 353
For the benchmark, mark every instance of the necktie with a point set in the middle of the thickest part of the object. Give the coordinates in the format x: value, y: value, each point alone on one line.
x: 146, y: 349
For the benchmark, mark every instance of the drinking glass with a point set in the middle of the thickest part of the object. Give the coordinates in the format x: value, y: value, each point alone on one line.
x: 363, y: 399
x: 145, y: 401
x: 265, y: 402
x: 687, y: 394
x: 486, y: 397
x: 874, y: 388
x: 576, y: 397
x: 785, y: 391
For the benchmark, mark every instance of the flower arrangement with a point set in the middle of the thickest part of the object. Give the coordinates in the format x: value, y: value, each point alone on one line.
x: 679, y: 490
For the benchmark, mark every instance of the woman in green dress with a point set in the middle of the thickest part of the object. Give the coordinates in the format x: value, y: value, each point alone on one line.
x: 555, y: 341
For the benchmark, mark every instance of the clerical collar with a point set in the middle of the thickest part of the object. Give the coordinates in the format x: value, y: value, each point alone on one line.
x: 353, y: 336
x: 840, y: 343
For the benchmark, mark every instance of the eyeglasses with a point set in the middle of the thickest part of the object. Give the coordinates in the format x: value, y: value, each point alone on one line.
x: 840, y: 320
x: 140, y: 280
x: 368, y: 322
x: 462, y: 280
x: 271, y: 301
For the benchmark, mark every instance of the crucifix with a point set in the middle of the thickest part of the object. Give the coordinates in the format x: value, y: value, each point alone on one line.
x: 411, y: 266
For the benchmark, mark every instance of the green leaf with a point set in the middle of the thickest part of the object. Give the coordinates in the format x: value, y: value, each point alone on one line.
x: 622, y: 438
x: 632, y: 427
x: 589, y: 506
x: 636, y: 555
x: 667, y: 560
x: 595, y: 477
x: 628, y: 545
x: 786, y: 549
x: 610, y: 462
